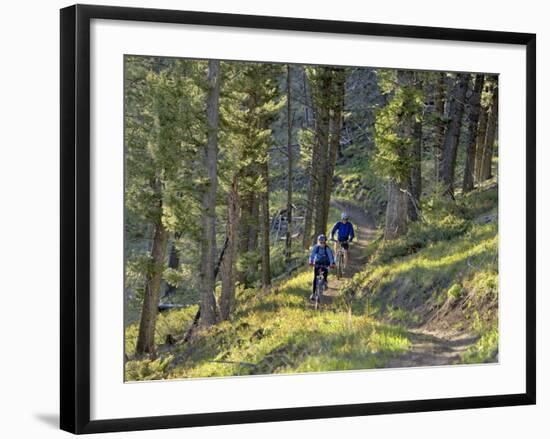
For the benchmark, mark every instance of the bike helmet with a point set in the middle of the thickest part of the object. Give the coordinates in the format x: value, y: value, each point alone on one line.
x: 321, y: 238
x: 344, y: 215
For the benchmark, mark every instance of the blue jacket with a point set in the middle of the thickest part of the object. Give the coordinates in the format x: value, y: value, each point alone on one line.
x: 345, y: 231
x: 316, y: 255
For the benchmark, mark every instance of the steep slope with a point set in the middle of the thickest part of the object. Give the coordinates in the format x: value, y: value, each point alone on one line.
x: 441, y: 282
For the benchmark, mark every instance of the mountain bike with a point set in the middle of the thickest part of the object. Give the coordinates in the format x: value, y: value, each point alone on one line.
x: 320, y: 287
x: 341, y: 259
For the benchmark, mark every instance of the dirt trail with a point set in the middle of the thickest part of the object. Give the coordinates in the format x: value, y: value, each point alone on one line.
x: 428, y: 347
x: 364, y: 233
x: 431, y: 349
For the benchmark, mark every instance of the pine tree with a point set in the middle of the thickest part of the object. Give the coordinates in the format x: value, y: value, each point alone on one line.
x: 452, y: 133
x: 254, y: 97
x: 335, y: 128
x: 290, y: 158
x: 490, y: 136
x: 328, y: 89
x: 228, y: 267
x: 471, y: 136
x: 415, y: 179
x: 161, y: 99
x: 481, y: 132
x: 208, y: 205
x: 320, y: 79
x: 395, y: 142
x: 439, y: 110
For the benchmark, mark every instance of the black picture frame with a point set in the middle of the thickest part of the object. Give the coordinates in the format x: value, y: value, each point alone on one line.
x: 75, y: 217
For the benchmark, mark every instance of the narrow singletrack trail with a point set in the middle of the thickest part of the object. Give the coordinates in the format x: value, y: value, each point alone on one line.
x: 433, y: 349
x: 364, y: 233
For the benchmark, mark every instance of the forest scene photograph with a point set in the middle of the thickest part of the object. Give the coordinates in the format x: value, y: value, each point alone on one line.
x: 292, y: 218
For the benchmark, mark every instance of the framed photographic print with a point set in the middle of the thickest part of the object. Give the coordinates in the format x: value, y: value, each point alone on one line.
x: 271, y: 218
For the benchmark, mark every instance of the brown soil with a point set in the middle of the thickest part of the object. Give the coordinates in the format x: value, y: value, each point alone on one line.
x: 433, y: 349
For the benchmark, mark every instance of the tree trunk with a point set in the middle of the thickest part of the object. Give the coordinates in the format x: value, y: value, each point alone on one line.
x: 398, y: 188
x: 208, y: 242
x: 335, y: 125
x: 228, y: 268
x: 452, y: 134
x: 288, y: 238
x: 415, y: 186
x: 440, y: 128
x: 471, y: 137
x: 396, y: 211
x: 244, y: 231
x: 323, y: 93
x: 308, y: 105
x: 174, y: 263
x: 415, y: 177
x: 146, y: 337
x: 311, y: 193
x: 253, y: 223
x: 307, y: 239
x: 480, y: 143
x: 308, y: 216
x: 319, y: 200
x: 486, y: 171
x: 264, y: 204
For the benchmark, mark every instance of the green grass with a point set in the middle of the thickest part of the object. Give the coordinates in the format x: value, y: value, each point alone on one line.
x: 276, y: 333
x: 486, y: 348
x: 444, y: 270
x: 436, y: 262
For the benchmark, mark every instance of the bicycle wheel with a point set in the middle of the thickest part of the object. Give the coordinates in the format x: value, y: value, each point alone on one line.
x: 344, y: 265
x: 339, y: 262
x: 319, y: 293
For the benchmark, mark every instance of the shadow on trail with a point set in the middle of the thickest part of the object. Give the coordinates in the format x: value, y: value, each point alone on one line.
x: 430, y: 350
x: 315, y: 350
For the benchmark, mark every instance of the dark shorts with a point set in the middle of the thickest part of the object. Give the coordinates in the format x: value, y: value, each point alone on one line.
x: 316, y: 272
x: 344, y: 244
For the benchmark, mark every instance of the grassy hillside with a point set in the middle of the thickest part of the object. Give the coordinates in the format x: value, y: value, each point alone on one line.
x: 442, y: 276
x: 276, y: 333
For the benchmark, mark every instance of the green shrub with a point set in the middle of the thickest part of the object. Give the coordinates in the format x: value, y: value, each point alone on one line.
x: 147, y: 369
x: 248, y: 263
x: 444, y: 229
x: 454, y: 292
x: 482, y: 200
x: 420, y: 235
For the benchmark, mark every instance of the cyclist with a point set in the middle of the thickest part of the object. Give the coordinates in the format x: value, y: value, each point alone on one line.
x: 321, y: 257
x: 345, y: 235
